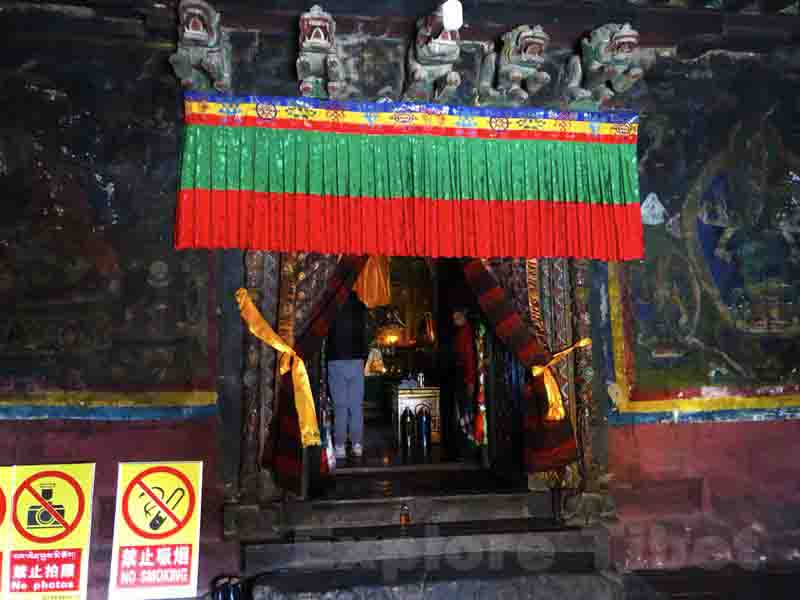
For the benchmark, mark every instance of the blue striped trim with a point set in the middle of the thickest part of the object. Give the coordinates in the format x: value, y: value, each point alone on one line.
x: 26, y: 412
x: 616, y: 419
x: 623, y: 117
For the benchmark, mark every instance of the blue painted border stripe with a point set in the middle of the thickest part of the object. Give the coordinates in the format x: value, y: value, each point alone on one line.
x: 617, y: 419
x: 23, y: 412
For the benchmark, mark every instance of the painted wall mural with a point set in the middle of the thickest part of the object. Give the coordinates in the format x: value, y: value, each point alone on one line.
x: 94, y: 154
x: 101, y: 317
x: 708, y: 326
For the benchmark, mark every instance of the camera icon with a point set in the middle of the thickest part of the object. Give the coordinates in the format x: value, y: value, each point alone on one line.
x: 40, y: 517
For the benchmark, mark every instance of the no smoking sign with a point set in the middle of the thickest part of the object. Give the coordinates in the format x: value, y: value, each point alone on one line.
x: 158, y: 502
x: 156, y: 531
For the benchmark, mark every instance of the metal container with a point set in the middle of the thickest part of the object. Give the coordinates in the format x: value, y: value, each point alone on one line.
x: 413, y: 398
x: 408, y: 435
x: 424, y: 441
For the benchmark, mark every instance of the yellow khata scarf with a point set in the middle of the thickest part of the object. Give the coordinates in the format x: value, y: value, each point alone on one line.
x: 289, y: 360
x: 373, y: 285
x: 555, y: 404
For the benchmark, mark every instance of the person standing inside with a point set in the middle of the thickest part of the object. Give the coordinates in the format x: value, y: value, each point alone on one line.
x: 466, y: 372
x: 346, y: 351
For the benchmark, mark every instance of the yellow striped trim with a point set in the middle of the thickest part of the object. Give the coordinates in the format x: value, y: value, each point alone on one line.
x: 112, y: 399
x: 406, y: 119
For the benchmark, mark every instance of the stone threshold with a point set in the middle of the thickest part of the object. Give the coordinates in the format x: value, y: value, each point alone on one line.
x: 426, y: 530
x: 274, y: 522
x: 399, y: 582
x: 529, y: 546
x: 447, y: 467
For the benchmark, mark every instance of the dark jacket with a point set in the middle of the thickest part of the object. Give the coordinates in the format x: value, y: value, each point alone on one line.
x: 347, y: 339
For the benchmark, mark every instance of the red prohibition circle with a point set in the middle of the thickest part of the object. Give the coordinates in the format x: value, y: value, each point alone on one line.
x: 126, y: 514
x: 27, y: 485
x: 3, y: 504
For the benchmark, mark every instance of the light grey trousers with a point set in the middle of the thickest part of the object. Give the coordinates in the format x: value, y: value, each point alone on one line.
x: 346, y: 385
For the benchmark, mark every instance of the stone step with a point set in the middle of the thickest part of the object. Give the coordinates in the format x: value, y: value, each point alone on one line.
x: 257, y: 523
x: 475, y: 559
x: 423, y: 586
x: 527, y: 543
x: 431, y: 509
x: 437, y: 479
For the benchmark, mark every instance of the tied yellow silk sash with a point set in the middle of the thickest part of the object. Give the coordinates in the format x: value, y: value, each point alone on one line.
x: 289, y: 360
x: 555, y: 404
x: 373, y: 285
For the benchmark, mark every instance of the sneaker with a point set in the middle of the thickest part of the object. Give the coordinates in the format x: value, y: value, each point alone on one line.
x: 341, y: 453
x: 357, y: 450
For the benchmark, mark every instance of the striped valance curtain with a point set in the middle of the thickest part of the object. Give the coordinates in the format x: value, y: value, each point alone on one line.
x: 304, y: 175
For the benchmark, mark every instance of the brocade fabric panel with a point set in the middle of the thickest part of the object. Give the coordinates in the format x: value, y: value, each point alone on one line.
x: 408, y: 180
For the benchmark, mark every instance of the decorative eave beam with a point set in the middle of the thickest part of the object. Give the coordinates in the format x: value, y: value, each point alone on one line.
x: 659, y: 27
x: 690, y: 31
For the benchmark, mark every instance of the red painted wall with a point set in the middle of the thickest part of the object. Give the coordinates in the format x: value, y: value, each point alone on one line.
x: 706, y: 494
x: 106, y: 444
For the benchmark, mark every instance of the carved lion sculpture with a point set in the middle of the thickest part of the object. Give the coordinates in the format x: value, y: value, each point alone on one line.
x: 203, y: 58
x: 431, y: 60
x: 518, y: 68
x: 319, y: 67
x: 609, y: 64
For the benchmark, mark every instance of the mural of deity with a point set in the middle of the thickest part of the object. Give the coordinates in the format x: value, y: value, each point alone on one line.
x: 716, y: 301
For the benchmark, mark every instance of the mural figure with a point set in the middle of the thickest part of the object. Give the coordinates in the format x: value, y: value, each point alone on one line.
x: 609, y: 64
x: 320, y: 66
x: 517, y: 71
x: 431, y: 61
x: 203, y: 59
x: 714, y: 305
x: 745, y: 224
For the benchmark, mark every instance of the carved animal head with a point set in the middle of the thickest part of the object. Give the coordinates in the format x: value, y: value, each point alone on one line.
x: 198, y: 24
x: 525, y: 45
x: 613, y: 44
x: 435, y: 44
x: 317, y: 31
x: 624, y: 43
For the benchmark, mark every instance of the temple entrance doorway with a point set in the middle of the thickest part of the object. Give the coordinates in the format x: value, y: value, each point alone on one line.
x: 419, y: 435
x: 410, y: 339
x: 409, y: 362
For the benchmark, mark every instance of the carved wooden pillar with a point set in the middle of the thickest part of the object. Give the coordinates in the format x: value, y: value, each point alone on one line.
x: 287, y: 298
x: 271, y: 287
x: 584, y: 373
x: 556, y: 307
x: 258, y: 379
x: 254, y: 264
x: 550, y: 299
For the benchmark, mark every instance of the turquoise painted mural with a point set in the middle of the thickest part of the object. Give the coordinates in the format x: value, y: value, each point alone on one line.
x: 708, y: 325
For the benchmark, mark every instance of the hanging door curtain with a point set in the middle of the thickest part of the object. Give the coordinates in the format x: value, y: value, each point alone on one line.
x: 297, y: 175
